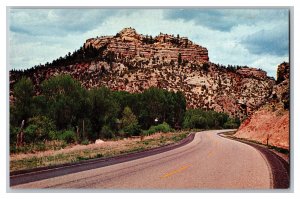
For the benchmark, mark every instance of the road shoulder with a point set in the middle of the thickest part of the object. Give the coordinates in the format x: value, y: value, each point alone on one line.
x: 280, y: 168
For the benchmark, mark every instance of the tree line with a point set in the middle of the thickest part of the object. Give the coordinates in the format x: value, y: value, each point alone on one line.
x: 83, y: 54
x: 64, y: 105
x: 64, y: 110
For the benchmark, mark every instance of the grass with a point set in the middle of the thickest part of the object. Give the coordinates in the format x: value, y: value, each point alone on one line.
x: 29, y: 162
x: 39, y: 146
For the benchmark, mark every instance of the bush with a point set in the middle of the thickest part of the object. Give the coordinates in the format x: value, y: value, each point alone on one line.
x: 133, y: 129
x: 85, y: 142
x: 164, y: 127
x: 39, y: 129
x: 106, y: 132
x: 231, y: 124
x: 54, y: 135
x: 198, y: 122
x: 67, y: 136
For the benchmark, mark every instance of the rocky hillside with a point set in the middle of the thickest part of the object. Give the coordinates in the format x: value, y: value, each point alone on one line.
x: 270, y: 123
x: 133, y: 62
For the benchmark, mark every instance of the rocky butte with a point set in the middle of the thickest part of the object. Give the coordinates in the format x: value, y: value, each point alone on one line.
x: 133, y: 62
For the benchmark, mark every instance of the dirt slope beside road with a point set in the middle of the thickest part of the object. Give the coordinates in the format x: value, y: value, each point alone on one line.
x: 270, y: 123
x: 267, y: 126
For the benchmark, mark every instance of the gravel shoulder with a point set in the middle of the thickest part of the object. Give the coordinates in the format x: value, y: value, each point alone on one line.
x: 278, y: 162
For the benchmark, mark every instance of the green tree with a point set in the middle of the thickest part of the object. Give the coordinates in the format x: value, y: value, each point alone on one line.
x: 124, y: 99
x: 129, y: 122
x: 179, y: 109
x: 21, y: 109
x: 39, y: 105
x: 104, y: 110
x: 179, y: 59
x: 153, y: 107
x: 128, y: 117
x: 197, y: 118
x: 206, y: 67
x: 65, y: 100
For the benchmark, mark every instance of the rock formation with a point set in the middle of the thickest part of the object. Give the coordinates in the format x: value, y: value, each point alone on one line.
x: 128, y: 43
x: 133, y: 62
x: 270, y: 123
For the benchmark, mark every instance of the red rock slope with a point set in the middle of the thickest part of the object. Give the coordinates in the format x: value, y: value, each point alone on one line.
x: 270, y: 123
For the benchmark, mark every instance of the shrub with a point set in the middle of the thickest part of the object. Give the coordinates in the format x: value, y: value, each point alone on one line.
x: 198, y: 122
x: 85, y: 142
x: 133, y: 129
x: 54, y: 135
x: 164, y: 127
x: 67, y: 136
x: 231, y: 124
x: 39, y: 129
x: 106, y: 132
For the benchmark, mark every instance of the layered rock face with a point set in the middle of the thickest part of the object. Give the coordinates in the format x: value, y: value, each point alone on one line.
x: 270, y: 123
x: 170, y: 62
x: 128, y: 43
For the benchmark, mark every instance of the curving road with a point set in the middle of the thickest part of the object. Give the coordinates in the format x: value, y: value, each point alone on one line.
x: 208, y: 162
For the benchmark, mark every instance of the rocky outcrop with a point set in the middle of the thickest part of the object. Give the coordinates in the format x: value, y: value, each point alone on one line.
x: 270, y: 123
x: 169, y: 62
x: 252, y: 72
x: 283, y: 72
x: 129, y: 44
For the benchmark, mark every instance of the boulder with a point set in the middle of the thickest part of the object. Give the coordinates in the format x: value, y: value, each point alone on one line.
x: 99, y: 141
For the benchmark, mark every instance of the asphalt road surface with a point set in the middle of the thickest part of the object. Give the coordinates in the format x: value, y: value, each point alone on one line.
x: 208, y: 162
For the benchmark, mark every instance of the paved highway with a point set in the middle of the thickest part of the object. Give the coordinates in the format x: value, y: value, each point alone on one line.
x: 208, y: 162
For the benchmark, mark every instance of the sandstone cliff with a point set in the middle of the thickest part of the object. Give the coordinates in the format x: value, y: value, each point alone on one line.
x: 270, y: 123
x: 133, y: 62
x: 128, y: 43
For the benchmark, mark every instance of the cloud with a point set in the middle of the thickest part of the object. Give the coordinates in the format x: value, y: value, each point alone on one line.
x: 225, y: 19
x: 272, y: 42
x: 57, y: 22
x: 213, y: 19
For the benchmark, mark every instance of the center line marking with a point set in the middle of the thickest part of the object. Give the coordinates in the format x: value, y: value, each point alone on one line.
x: 176, y: 171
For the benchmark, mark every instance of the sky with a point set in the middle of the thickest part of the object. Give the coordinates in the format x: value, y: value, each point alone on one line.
x: 253, y: 37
